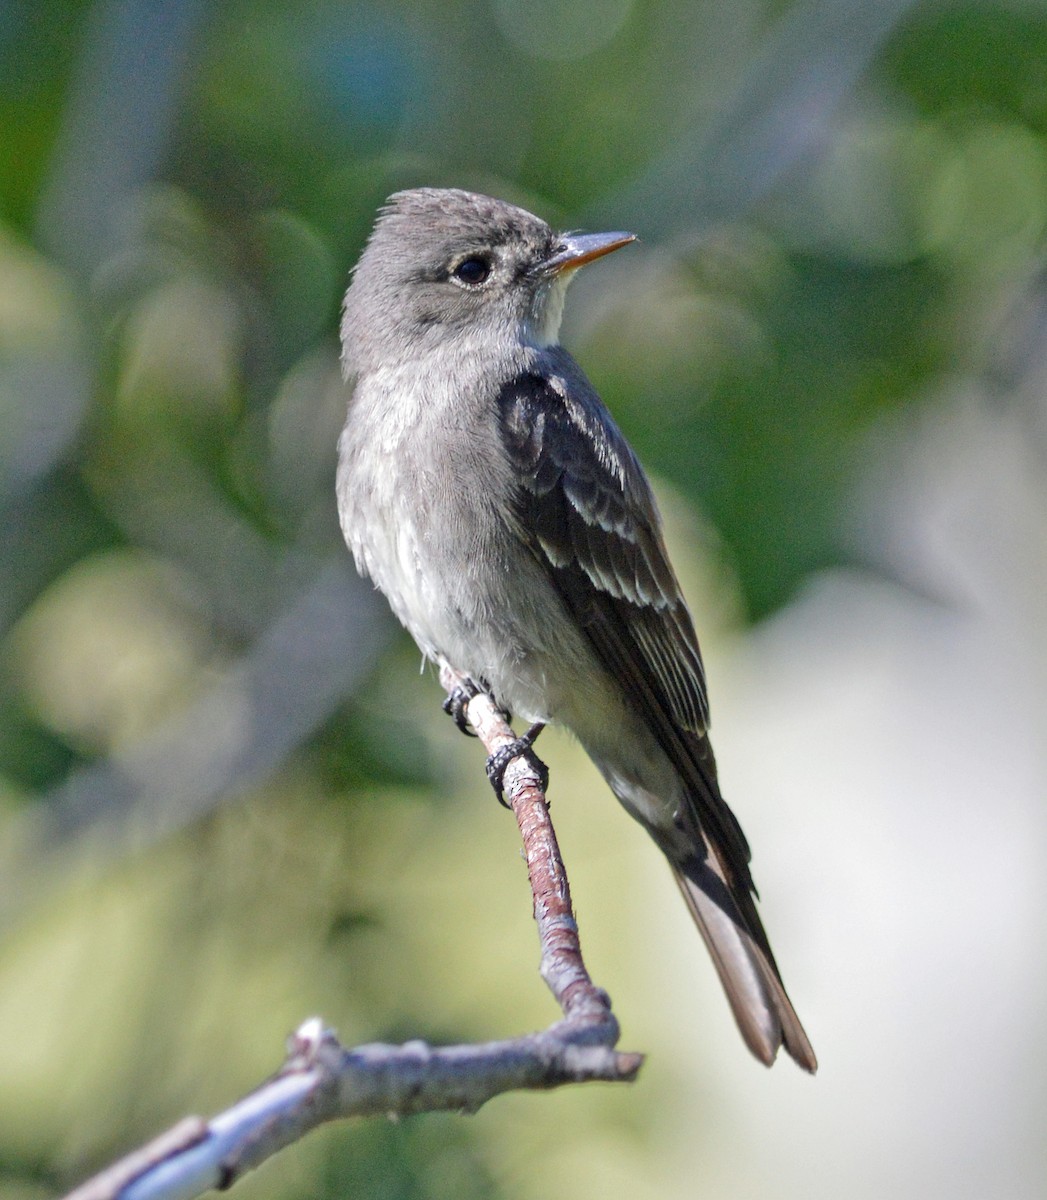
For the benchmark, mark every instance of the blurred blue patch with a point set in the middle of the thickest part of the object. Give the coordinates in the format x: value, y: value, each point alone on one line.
x: 371, y: 73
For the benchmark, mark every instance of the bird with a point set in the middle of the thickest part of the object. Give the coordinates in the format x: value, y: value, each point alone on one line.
x: 486, y: 490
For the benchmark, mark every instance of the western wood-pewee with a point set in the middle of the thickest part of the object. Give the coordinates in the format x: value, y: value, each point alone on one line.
x: 484, y: 487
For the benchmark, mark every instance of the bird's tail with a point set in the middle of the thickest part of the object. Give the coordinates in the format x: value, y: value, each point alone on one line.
x: 747, y: 970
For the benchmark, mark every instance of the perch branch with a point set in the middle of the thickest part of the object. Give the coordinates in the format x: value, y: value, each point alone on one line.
x: 322, y: 1081
x: 562, y: 967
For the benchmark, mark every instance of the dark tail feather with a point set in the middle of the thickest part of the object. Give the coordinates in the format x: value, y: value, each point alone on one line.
x: 738, y: 946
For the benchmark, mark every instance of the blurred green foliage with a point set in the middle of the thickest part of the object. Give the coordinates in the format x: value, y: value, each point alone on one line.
x: 183, y: 189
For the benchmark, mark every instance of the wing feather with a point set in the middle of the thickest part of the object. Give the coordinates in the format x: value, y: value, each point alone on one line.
x: 586, y: 509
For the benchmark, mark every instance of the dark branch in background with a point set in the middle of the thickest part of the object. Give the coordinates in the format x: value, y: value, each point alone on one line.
x: 311, y: 655
x: 322, y: 1081
x: 777, y: 118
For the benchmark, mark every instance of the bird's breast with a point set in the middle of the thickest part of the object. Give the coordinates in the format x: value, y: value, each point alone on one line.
x: 425, y: 495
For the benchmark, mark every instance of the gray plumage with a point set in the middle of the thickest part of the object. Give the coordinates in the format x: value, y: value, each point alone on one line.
x: 487, y: 491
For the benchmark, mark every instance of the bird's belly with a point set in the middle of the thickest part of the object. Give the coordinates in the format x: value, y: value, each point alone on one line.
x: 469, y: 593
x: 499, y: 620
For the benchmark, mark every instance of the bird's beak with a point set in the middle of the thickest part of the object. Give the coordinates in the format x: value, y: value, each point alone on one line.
x: 574, y: 250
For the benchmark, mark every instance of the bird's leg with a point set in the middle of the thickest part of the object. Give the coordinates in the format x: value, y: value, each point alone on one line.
x: 521, y: 748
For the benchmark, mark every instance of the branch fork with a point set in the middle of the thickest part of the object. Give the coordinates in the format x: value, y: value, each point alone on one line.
x: 321, y: 1080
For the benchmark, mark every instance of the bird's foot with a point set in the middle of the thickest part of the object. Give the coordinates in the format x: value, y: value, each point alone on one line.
x: 457, y: 704
x: 521, y: 748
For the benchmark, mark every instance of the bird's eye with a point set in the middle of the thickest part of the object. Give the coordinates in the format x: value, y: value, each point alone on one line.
x: 472, y: 271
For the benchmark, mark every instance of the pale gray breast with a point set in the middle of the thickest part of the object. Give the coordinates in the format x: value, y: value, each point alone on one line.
x: 424, y: 491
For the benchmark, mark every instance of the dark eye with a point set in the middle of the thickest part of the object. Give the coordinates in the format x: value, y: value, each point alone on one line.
x: 472, y: 271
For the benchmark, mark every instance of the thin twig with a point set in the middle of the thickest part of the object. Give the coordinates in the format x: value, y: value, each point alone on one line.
x: 322, y: 1081
x: 562, y: 966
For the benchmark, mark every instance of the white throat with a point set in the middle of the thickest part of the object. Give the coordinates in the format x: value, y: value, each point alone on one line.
x: 548, y: 308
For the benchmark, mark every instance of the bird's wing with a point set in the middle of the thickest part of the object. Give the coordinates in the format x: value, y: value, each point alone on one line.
x: 585, y: 508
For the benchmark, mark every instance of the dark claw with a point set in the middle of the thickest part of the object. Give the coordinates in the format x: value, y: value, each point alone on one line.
x: 457, y: 703
x: 521, y: 748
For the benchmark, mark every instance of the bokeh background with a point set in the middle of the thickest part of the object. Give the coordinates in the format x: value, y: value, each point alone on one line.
x: 228, y: 800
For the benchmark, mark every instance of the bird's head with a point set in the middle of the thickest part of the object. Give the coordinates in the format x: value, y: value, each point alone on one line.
x: 443, y: 265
